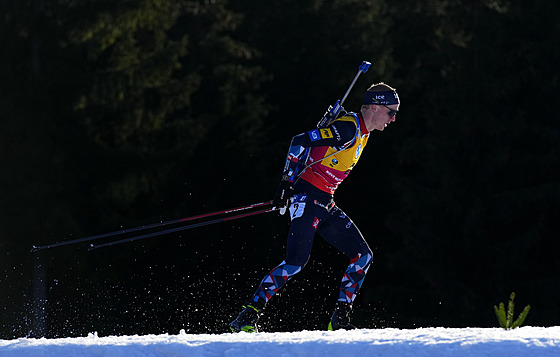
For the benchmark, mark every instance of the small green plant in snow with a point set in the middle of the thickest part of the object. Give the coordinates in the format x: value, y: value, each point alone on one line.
x: 506, y: 319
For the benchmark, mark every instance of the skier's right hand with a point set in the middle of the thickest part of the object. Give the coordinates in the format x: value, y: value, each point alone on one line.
x: 282, y: 197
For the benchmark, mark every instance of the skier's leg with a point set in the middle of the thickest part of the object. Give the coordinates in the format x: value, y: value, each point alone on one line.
x: 274, y: 280
x: 305, y: 221
x: 342, y: 233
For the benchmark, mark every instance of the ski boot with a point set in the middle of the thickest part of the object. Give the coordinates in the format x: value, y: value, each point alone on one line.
x: 340, y: 319
x: 248, y: 318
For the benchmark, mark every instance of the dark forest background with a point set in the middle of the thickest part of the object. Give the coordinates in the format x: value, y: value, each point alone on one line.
x: 117, y: 114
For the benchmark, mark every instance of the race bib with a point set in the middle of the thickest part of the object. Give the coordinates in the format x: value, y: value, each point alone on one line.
x: 297, y: 206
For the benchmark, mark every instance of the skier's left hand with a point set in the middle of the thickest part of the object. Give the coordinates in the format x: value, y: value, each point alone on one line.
x: 283, y: 195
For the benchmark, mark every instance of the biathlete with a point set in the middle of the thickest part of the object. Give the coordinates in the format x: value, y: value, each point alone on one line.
x: 317, y: 162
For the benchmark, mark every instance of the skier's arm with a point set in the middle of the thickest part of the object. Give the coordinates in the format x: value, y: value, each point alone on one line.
x: 336, y: 134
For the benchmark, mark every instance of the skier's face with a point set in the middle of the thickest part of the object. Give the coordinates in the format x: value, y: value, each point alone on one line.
x: 377, y: 117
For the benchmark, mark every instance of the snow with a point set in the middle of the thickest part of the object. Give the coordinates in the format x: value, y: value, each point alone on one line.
x: 422, y: 342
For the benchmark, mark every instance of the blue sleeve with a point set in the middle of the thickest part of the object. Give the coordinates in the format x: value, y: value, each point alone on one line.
x: 336, y: 134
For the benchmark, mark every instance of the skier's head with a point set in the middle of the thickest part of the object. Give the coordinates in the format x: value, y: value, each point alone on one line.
x: 380, y: 106
x: 381, y: 94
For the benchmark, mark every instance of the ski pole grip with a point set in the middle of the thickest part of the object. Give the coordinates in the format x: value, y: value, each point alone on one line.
x: 362, y: 69
x: 364, y: 66
x: 332, y: 112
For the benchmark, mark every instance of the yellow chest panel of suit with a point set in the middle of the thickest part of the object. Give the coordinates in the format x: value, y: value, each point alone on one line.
x: 344, y: 160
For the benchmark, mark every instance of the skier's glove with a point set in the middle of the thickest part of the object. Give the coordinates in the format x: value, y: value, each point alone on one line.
x: 283, y: 195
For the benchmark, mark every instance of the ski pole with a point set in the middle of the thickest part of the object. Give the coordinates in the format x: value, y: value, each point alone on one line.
x: 172, y: 230
x: 361, y: 69
x: 333, y: 111
x: 149, y: 226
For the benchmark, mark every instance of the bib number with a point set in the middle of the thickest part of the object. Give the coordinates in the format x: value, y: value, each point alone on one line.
x: 298, y: 206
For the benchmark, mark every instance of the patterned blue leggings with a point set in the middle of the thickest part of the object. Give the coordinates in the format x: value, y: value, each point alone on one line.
x: 309, y: 217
